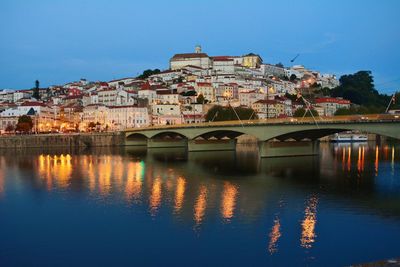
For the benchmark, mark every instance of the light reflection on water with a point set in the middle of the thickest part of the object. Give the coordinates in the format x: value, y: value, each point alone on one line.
x: 237, y: 188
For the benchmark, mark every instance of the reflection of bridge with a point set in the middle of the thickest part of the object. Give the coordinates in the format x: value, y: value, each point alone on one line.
x: 280, y: 137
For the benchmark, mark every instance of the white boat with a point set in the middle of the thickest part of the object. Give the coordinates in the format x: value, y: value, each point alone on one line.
x: 349, y: 137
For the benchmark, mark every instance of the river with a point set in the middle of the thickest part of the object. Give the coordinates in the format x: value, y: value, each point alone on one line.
x: 167, y: 207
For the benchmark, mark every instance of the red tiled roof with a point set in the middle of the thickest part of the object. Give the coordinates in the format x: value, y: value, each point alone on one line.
x: 126, y: 106
x: 332, y: 100
x: 222, y: 58
x: 146, y: 86
x: 203, y: 84
x: 188, y: 55
x: 32, y: 104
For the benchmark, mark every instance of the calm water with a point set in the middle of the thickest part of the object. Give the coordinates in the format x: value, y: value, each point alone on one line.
x: 133, y: 207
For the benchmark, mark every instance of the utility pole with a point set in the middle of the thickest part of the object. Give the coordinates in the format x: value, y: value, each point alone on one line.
x: 267, y: 103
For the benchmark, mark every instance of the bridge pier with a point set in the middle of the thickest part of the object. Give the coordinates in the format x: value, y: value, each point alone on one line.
x: 165, y: 143
x: 270, y: 149
x: 212, y: 145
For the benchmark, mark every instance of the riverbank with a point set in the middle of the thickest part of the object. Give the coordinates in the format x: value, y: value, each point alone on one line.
x: 111, y: 139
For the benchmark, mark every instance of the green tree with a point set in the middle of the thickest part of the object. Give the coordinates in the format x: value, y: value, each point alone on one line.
x: 220, y: 113
x: 301, y: 111
x: 356, y: 110
x: 24, y: 124
x: 292, y: 77
x: 147, y: 73
x: 359, y: 89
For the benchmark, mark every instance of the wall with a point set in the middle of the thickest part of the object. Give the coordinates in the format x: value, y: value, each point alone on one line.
x: 63, y: 140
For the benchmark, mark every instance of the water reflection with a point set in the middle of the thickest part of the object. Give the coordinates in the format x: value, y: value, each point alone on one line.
x: 309, y: 222
x: 133, y: 187
x: 200, y: 205
x: 228, y: 204
x: 56, y: 168
x: 2, y: 170
x: 180, y: 194
x: 233, y: 189
x: 274, y: 236
x: 155, y: 196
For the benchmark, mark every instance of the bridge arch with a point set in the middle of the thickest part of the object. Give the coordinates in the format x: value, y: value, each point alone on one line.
x: 313, y: 132
x: 136, y: 136
x: 169, y: 135
x: 219, y: 134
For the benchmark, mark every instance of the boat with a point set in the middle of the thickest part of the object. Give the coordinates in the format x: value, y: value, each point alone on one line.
x: 349, y: 137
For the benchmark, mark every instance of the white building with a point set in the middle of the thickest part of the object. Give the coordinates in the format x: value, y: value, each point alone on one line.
x: 247, y: 98
x: 166, y: 114
x: 223, y: 64
x: 167, y: 97
x: 107, y: 96
x: 193, y: 113
x: 330, y: 105
x: 198, y: 59
x: 130, y: 116
x: 207, y: 90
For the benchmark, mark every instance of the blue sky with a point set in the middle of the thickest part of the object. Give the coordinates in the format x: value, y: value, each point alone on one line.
x: 59, y: 41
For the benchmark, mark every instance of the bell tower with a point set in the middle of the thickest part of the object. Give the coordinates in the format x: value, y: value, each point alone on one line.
x: 197, y: 49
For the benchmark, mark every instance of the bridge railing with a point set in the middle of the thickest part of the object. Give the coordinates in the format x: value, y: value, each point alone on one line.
x: 291, y: 120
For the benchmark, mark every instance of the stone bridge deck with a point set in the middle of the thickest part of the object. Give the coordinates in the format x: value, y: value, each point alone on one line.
x: 203, y: 136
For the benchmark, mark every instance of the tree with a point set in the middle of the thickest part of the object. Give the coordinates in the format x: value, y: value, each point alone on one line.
x: 24, y: 124
x: 292, y: 77
x: 200, y: 99
x: 356, y: 110
x: 359, y: 89
x: 36, y: 93
x: 147, y: 73
x: 220, y: 113
x: 280, y: 65
x: 91, y: 126
x: 301, y: 111
x: 10, y: 128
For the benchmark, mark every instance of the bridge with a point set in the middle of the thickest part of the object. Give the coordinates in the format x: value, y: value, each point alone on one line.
x: 277, y: 137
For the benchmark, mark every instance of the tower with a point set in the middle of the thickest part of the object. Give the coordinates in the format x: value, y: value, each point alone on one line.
x: 197, y: 49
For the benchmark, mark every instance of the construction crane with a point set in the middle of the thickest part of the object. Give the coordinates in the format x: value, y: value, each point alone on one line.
x: 294, y: 58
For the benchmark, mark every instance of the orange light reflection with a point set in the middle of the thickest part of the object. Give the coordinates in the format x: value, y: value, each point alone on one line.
x: 229, y: 196
x: 180, y: 194
x: 274, y: 236
x: 308, y: 224
x: 200, y: 205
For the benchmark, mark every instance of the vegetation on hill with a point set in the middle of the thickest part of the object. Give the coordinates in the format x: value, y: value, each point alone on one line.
x: 359, y: 89
x: 220, y: 113
x: 306, y: 113
x: 147, y: 73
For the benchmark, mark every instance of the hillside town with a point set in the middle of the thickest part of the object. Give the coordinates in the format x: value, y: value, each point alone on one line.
x: 182, y: 94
